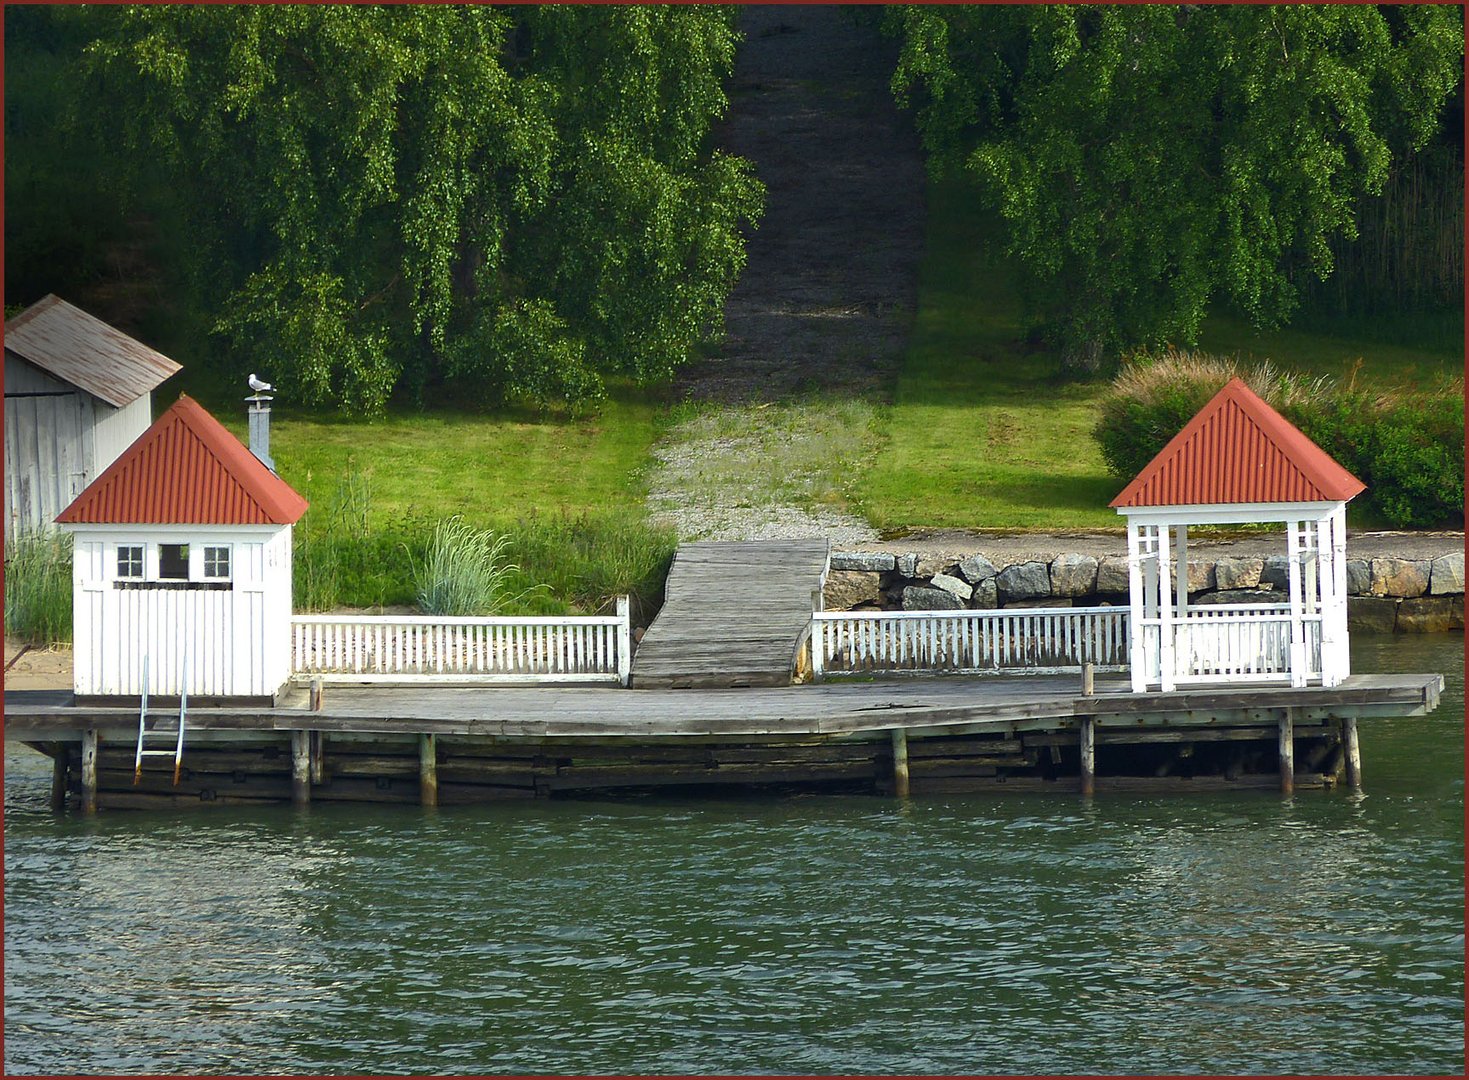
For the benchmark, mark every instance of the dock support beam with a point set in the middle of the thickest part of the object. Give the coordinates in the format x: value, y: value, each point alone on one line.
x: 58, y: 779
x: 900, y: 763
x: 89, y: 771
x: 1287, y: 752
x: 301, y: 768
x: 1088, y: 756
x: 428, y: 771
x: 1353, y: 749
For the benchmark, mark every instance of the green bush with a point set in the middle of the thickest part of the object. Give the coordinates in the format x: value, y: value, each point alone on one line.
x: 38, y: 589
x: 1407, y: 446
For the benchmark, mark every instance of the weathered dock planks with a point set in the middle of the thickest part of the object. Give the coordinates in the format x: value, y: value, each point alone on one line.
x: 734, y: 615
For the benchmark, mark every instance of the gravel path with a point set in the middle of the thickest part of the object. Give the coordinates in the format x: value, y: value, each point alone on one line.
x: 824, y: 306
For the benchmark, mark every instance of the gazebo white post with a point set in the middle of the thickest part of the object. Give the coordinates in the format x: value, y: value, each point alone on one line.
x: 1297, y: 627
x: 1180, y: 538
x: 1342, y: 660
x: 1138, y: 648
x: 1165, y: 612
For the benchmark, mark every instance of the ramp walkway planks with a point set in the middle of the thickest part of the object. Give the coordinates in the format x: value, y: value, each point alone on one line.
x: 734, y: 614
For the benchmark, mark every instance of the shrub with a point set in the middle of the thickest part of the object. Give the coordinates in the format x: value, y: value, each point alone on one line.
x: 464, y: 571
x: 1406, y: 446
x: 38, y: 589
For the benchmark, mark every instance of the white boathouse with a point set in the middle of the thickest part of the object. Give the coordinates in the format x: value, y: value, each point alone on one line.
x: 77, y: 393
x: 183, y: 567
x: 1238, y: 461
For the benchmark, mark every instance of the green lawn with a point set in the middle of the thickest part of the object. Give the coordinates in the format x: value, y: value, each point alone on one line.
x: 984, y: 433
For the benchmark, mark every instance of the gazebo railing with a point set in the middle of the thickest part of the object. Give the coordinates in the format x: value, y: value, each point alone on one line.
x: 1236, y: 642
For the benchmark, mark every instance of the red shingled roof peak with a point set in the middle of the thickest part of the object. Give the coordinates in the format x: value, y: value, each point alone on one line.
x: 186, y: 469
x: 1237, y: 449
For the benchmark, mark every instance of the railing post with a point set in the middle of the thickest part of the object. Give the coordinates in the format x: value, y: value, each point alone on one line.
x: 624, y: 640
x: 816, y: 642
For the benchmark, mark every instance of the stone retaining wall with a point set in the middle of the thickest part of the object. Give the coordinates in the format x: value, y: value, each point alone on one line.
x: 1384, y: 594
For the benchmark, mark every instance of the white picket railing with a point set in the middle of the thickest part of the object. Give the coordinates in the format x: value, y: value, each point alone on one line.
x: 1237, y: 642
x: 429, y: 648
x: 1040, y: 640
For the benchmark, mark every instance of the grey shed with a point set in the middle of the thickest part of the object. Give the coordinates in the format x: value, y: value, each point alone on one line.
x: 77, y: 393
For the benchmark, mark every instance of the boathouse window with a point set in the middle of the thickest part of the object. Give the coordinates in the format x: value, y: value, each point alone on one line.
x: 216, y: 562
x: 173, y: 562
x: 130, y: 561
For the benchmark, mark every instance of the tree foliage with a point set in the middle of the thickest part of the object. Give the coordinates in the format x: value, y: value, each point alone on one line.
x: 1148, y: 159
x: 519, y: 202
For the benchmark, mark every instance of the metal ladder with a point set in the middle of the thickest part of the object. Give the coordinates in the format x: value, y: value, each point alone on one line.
x: 157, y: 749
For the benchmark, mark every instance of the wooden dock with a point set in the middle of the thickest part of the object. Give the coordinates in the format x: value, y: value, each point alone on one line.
x: 734, y: 615
x: 436, y: 745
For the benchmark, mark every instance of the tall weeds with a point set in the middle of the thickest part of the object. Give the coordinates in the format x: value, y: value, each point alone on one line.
x: 464, y: 572
x: 38, y: 589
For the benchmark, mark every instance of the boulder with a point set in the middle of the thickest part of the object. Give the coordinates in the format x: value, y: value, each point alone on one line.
x: 986, y: 595
x: 1073, y: 575
x: 907, y: 565
x: 1359, y: 577
x: 1400, y: 577
x: 1112, y: 575
x: 1201, y: 575
x: 862, y: 560
x: 1431, y: 615
x: 920, y: 598
x: 1447, y: 575
x: 1275, y: 574
x: 845, y: 589
x: 977, y: 568
x: 1235, y: 572
x: 1371, y: 614
x: 1240, y: 596
x: 1024, y: 581
x: 951, y: 584
x: 926, y: 566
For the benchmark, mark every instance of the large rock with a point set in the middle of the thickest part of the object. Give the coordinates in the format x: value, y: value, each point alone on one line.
x: 951, y: 584
x: 1112, y: 575
x: 1371, y: 614
x: 977, y: 568
x: 1359, y: 577
x: 1400, y: 577
x: 1201, y: 575
x: 1275, y: 574
x: 926, y: 566
x: 1447, y: 575
x: 1431, y: 615
x: 845, y: 589
x: 907, y: 565
x: 921, y: 598
x: 1073, y: 575
x: 1024, y: 581
x: 862, y: 560
x: 1240, y: 596
x: 986, y: 595
x: 1236, y: 572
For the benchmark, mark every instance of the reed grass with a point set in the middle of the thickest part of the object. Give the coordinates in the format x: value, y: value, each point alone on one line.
x: 465, y: 571
x: 38, y: 589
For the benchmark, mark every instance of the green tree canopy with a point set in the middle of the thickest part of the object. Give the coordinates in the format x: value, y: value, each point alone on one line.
x: 1148, y: 159
x: 520, y: 201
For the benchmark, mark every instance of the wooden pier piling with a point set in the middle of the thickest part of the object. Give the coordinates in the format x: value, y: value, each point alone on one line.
x: 1088, y: 756
x: 428, y: 771
x: 1287, y: 752
x: 1353, y: 749
x: 301, y: 768
x: 89, y: 771
x: 58, y: 780
x: 900, y: 763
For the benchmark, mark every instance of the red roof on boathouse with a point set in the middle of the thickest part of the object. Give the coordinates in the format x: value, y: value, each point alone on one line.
x: 1237, y: 449
x: 186, y: 469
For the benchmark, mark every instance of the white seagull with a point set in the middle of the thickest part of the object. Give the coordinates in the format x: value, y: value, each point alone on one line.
x: 258, y: 386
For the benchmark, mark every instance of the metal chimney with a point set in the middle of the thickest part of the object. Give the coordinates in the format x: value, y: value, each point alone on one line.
x: 260, y: 428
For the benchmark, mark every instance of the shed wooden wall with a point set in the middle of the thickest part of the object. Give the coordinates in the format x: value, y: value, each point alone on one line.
x: 58, y: 438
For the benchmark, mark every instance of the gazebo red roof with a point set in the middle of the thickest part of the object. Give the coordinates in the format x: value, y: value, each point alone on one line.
x: 1237, y: 449
x: 186, y: 470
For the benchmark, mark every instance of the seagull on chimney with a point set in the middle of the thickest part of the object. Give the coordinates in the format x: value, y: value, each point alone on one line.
x: 259, y: 386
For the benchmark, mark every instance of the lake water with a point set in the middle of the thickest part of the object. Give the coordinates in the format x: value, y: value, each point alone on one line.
x: 978, y: 934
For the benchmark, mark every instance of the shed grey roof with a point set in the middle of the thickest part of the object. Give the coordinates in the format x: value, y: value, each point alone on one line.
x: 86, y: 352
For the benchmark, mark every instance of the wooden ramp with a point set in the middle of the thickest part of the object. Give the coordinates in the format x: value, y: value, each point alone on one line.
x: 734, y: 614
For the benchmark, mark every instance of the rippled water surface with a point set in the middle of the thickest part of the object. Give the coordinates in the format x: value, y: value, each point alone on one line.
x: 1240, y: 933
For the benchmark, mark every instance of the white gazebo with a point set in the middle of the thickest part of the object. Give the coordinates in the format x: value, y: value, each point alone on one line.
x: 182, y: 572
x: 1238, y: 461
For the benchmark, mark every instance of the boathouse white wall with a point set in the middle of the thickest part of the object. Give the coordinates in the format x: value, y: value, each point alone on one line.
x: 235, y: 633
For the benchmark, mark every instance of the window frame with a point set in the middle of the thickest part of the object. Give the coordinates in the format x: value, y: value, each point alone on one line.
x: 141, y: 562
x: 187, y: 552
x: 214, y: 552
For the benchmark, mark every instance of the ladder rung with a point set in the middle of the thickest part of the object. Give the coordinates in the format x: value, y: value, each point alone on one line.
x: 159, y: 753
